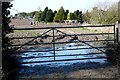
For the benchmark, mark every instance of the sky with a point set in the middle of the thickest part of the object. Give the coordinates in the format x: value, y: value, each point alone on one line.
x: 71, y: 5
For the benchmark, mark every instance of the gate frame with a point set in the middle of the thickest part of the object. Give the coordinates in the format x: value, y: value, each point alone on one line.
x: 53, y: 43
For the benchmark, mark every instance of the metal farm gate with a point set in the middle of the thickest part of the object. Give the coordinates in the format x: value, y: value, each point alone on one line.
x: 59, y: 36
x: 58, y: 42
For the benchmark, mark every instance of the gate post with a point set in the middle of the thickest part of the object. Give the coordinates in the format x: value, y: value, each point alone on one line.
x: 117, y: 47
x: 0, y: 40
x: 117, y: 33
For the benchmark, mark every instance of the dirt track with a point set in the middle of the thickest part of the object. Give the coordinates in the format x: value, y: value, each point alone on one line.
x: 105, y: 72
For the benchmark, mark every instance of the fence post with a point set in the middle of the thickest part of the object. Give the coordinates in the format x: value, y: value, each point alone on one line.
x: 117, y: 47
x: 117, y: 33
x: 53, y: 42
x: 0, y: 39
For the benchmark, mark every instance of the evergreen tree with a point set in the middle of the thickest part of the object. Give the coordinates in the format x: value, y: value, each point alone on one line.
x: 66, y: 13
x: 43, y: 15
x: 80, y: 17
x: 56, y: 18
x: 5, y: 23
x: 76, y: 13
x: 70, y: 16
x: 49, y: 16
x: 60, y: 15
x: 54, y: 13
x: 37, y: 16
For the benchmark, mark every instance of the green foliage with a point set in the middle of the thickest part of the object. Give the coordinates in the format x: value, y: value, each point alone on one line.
x: 30, y: 14
x: 80, y: 17
x: 95, y: 15
x: 66, y: 13
x: 61, y: 13
x: 86, y: 17
x: 76, y: 13
x: 119, y: 11
x: 112, y: 14
x: 100, y: 16
x: 72, y: 16
x: 5, y: 23
x: 56, y: 17
x: 43, y: 15
x: 22, y: 14
x: 8, y: 62
x: 69, y: 16
x: 49, y: 16
x: 59, y: 16
x: 37, y: 16
x: 113, y: 53
x: 54, y: 13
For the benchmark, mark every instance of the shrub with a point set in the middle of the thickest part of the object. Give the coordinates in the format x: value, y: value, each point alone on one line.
x: 113, y: 53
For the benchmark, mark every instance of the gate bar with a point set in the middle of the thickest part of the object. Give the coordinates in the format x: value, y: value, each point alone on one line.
x: 54, y: 42
x: 62, y: 60
x: 66, y: 35
x: 19, y: 52
x: 61, y: 55
x: 59, y: 27
x: 57, y: 43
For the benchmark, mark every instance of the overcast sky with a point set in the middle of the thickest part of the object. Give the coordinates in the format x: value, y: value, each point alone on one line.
x: 71, y: 5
